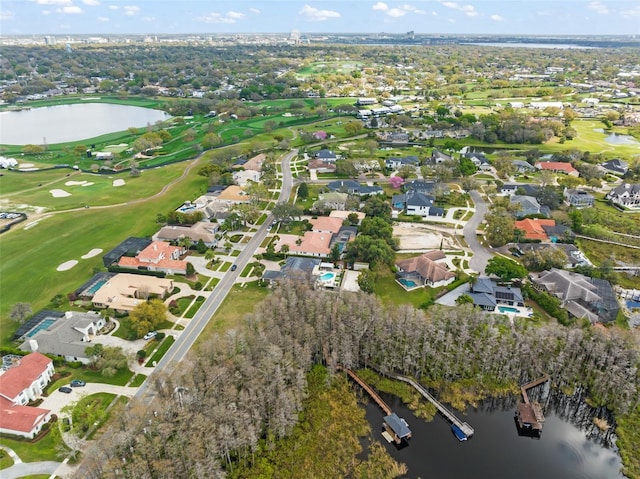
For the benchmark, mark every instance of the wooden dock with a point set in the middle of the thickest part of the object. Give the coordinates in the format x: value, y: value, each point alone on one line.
x: 449, y: 416
x: 374, y: 395
x: 529, y: 415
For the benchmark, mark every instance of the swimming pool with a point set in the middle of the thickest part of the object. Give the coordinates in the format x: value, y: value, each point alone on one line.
x: 329, y: 276
x: 408, y: 283
x: 632, y: 304
x: 94, y: 288
x: 507, y: 309
x: 43, y: 325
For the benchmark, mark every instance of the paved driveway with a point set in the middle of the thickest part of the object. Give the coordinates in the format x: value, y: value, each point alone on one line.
x: 481, y: 255
x: 57, y: 400
x: 29, y: 469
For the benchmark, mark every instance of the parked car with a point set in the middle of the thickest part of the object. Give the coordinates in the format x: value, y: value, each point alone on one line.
x: 234, y: 267
x: 65, y: 389
x: 77, y: 383
x: 150, y: 334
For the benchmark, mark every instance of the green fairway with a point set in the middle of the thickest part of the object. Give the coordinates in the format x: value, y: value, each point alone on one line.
x: 30, y: 257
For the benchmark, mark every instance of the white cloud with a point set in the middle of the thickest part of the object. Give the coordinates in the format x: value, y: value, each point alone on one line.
x: 53, y: 2
x: 114, y: 7
x: 7, y: 15
x: 103, y: 19
x: 255, y: 11
x: 148, y: 19
x: 46, y: 12
x: 397, y: 12
x: 632, y: 13
x: 91, y: 3
x: 131, y: 10
x: 598, y: 7
x: 317, y: 15
x: 229, y: 17
x: 235, y: 15
x: 468, y: 10
x: 497, y: 18
x: 70, y: 9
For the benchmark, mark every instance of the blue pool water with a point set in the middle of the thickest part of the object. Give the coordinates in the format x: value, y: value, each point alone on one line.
x: 631, y: 304
x: 327, y: 276
x: 507, y: 309
x: 408, y: 283
x: 43, y: 325
x: 93, y: 289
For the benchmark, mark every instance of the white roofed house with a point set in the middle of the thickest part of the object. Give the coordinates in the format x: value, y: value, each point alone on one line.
x: 626, y: 195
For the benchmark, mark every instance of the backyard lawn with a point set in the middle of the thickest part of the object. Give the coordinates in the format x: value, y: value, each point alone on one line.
x: 391, y: 293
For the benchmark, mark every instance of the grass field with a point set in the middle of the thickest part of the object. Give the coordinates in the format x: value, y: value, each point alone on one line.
x: 46, y: 449
x: 30, y: 257
x: 391, y: 293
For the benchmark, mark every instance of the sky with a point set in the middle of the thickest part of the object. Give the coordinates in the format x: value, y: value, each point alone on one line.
x: 542, y: 17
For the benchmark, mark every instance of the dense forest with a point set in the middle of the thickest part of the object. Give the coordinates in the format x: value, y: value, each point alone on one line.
x: 241, y: 392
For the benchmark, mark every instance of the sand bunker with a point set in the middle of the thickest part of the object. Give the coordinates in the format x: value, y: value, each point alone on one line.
x: 59, y: 193
x: 67, y: 265
x: 26, y: 165
x: 118, y: 182
x: 92, y: 253
x: 78, y: 183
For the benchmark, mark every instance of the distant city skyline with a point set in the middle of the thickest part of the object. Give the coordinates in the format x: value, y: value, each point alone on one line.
x: 509, y: 17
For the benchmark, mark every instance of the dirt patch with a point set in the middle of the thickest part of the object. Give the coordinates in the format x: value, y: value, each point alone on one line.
x: 421, y: 237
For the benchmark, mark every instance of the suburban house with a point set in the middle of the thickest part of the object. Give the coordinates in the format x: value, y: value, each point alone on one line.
x: 130, y: 247
x: 528, y: 205
x: 343, y: 237
x: 615, y: 166
x: 22, y: 383
x: 428, y: 188
x: 439, y: 157
x: 295, y: 268
x: 320, y: 166
x: 427, y: 269
x: 366, y: 101
x: 326, y: 155
x: 542, y: 230
x: 395, y: 162
x: 416, y: 203
x: 245, y: 177
x: 103, y: 155
x: 255, y: 163
x: 66, y: 337
x: 125, y: 291
x: 312, y: 243
x: 479, y: 160
x: 352, y: 187
x: 331, y: 200
x: 326, y: 224
x: 344, y: 214
x: 488, y: 295
x: 158, y: 256
x: 393, y: 137
x: 523, y: 167
x: 558, y: 167
x: 578, y: 198
x: 232, y: 195
x: 201, y: 230
x: 626, y: 195
x: 581, y: 296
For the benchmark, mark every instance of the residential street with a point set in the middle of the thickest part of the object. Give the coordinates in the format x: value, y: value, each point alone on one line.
x: 480, y: 254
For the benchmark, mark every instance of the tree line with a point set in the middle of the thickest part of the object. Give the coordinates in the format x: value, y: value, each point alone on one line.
x: 242, y: 391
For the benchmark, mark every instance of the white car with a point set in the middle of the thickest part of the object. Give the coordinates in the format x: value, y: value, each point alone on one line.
x: 150, y: 334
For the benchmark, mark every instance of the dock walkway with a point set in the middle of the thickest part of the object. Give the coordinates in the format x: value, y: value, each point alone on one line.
x: 374, y: 395
x: 464, y: 427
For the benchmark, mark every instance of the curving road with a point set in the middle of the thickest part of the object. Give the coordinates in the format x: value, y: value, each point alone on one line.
x: 185, y: 341
x: 481, y: 255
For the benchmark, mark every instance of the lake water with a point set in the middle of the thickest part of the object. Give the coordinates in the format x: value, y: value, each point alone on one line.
x: 80, y: 121
x: 558, y: 46
x: 616, y: 139
x: 569, y: 448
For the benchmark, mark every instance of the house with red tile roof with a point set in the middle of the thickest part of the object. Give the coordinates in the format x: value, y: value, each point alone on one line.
x: 534, y: 228
x: 558, y: 167
x: 20, y: 384
x: 313, y: 243
x: 158, y: 256
x: 326, y: 224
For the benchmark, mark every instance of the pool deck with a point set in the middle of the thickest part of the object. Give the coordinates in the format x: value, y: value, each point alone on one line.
x: 407, y: 288
x: 525, y: 312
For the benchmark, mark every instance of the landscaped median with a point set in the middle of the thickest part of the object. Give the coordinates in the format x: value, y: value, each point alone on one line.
x: 160, y: 351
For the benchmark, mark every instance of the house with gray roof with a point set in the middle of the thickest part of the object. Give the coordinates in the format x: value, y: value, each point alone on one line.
x: 394, y: 162
x: 66, y: 337
x: 583, y: 297
x: 523, y: 167
x: 296, y: 268
x: 528, y: 205
x: 578, y: 198
x: 626, y: 195
x: 131, y: 247
x: 352, y: 187
x: 615, y: 166
x: 487, y: 294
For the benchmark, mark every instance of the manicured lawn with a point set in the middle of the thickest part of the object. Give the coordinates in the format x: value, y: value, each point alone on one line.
x: 90, y: 410
x: 195, y: 307
x: 30, y: 257
x: 137, y: 381
x: 391, y: 293
x: 162, y: 349
x: 46, y: 449
x: 90, y: 376
x: 240, y: 301
x: 224, y: 267
x: 5, y: 459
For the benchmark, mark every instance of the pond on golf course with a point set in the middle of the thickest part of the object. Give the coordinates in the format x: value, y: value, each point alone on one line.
x: 78, y: 121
